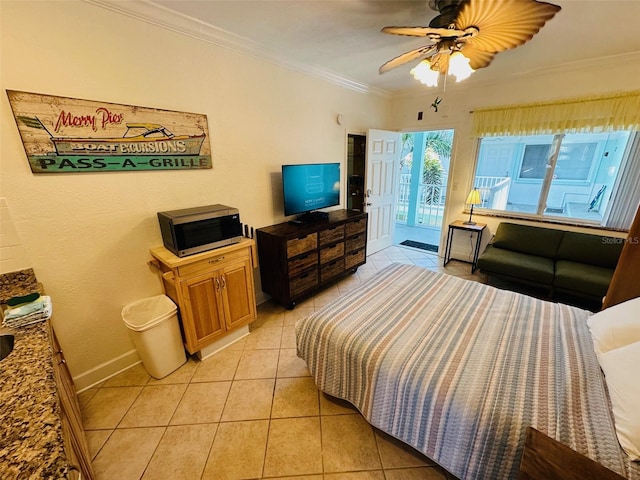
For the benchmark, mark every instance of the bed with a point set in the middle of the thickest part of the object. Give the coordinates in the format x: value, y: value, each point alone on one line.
x: 459, y: 370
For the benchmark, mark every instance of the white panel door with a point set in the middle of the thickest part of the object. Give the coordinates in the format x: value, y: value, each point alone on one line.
x: 383, y: 159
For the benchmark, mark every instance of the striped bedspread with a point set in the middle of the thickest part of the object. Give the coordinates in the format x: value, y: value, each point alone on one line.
x: 458, y: 370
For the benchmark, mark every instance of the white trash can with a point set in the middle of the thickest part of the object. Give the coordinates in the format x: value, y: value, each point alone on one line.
x: 153, y: 326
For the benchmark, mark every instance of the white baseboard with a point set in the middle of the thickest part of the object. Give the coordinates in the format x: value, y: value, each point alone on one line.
x: 262, y: 297
x: 107, y: 370
x: 463, y: 255
x: 224, y: 342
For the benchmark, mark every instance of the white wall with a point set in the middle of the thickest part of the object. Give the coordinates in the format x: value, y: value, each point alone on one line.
x: 459, y: 100
x: 87, y: 235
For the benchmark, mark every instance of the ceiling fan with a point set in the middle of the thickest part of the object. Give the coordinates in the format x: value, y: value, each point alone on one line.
x: 469, y: 33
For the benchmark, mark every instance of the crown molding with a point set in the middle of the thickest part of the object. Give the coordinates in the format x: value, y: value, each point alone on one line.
x: 151, y: 13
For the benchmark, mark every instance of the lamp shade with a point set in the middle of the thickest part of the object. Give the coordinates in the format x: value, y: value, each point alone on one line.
x: 474, y: 197
x: 459, y: 66
x: 425, y: 74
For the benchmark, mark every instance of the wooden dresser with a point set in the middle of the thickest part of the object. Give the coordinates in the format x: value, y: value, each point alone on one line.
x: 296, y: 260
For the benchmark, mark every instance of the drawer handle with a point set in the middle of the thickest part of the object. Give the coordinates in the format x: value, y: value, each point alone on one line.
x: 216, y: 260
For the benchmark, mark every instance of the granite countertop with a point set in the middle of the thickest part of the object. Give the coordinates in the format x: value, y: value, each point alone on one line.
x: 18, y: 283
x: 31, y: 444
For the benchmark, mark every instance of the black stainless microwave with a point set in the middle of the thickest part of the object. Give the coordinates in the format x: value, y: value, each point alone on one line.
x: 198, y: 229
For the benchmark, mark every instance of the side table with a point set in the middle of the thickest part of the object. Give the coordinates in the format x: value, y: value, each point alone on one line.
x: 476, y: 228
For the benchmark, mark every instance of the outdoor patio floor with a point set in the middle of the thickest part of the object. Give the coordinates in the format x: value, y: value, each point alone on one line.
x: 427, y: 235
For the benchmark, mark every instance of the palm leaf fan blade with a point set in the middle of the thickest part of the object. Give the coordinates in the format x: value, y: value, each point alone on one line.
x: 477, y: 58
x: 431, y: 32
x: 408, y: 31
x: 504, y: 24
x: 407, y: 57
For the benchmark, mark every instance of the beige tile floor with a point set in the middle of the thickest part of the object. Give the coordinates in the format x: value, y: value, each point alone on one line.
x: 250, y: 411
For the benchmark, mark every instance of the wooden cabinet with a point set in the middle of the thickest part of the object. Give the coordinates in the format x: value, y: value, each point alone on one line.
x: 75, y: 444
x: 214, y: 290
x: 296, y: 260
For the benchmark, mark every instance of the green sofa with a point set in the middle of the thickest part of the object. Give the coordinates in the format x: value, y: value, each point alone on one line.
x: 562, y: 263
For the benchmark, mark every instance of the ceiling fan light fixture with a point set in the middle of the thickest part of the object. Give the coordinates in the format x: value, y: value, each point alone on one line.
x: 459, y: 66
x: 425, y: 75
x: 480, y: 28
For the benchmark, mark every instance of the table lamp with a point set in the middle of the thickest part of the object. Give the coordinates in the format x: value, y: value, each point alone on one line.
x: 473, y: 199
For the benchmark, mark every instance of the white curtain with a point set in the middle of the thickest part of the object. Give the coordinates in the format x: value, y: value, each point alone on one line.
x: 627, y: 194
x: 606, y: 113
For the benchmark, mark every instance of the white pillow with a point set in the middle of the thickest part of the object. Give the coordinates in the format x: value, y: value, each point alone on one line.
x: 619, y: 367
x: 615, y: 326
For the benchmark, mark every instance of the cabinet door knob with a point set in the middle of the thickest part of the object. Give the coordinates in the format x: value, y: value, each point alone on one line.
x: 223, y: 282
x: 217, y: 283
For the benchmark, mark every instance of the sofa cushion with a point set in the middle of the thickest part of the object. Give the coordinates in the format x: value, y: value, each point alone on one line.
x: 582, y: 278
x: 517, y: 265
x: 590, y: 249
x: 542, y: 242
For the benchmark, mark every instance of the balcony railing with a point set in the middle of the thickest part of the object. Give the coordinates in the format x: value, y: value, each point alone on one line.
x: 431, y: 200
x: 494, y: 192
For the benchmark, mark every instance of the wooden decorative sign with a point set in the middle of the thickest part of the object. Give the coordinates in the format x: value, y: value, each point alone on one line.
x: 65, y: 135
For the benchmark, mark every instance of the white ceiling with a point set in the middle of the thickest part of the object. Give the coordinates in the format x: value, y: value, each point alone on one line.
x: 341, y: 39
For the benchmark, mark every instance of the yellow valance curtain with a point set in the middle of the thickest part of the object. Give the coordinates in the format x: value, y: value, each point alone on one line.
x: 580, y: 115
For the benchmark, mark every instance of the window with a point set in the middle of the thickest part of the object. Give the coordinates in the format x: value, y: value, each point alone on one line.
x: 570, y: 176
x: 574, y: 159
x: 534, y: 160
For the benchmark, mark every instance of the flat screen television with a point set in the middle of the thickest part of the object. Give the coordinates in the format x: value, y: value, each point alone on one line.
x: 310, y: 187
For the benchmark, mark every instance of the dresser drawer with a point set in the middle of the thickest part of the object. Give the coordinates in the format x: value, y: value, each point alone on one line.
x: 304, y: 282
x: 211, y: 263
x: 331, y: 235
x: 354, y: 243
x: 331, y: 253
x: 354, y: 258
x: 299, y: 264
x: 331, y: 269
x: 356, y: 226
x: 298, y: 246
